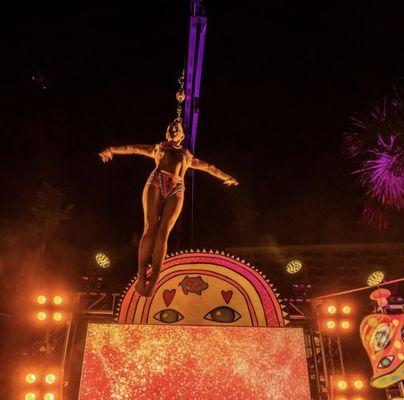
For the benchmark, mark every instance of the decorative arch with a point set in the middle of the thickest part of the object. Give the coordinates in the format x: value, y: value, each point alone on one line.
x: 205, y: 288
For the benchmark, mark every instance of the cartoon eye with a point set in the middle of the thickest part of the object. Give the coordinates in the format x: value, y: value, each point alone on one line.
x: 168, y: 316
x: 381, y: 338
x: 385, y: 362
x: 222, y: 314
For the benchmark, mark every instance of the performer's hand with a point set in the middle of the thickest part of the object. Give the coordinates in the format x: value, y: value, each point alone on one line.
x: 230, y: 181
x: 106, y: 155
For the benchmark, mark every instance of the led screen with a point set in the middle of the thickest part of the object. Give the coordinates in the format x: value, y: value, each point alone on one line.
x: 146, y: 362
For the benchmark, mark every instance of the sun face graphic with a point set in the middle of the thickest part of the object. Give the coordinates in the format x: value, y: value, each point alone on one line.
x: 201, y: 288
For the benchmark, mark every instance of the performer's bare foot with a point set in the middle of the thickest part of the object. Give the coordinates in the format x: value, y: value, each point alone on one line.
x: 150, y: 288
x: 140, y: 287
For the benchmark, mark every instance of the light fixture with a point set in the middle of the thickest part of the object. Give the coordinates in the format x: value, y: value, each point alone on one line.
x: 30, y: 378
x: 49, y: 396
x: 358, y: 383
x: 30, y: 396
x: 50, y: 378
x: 345, y: 325
x: 342, y: 384
x: 57, y: 300
x: 346, y: 309
x: 41, y: 299
x: 375, y: 278
x: 331, y: 309
x: 330, y: 324
x: 294, y: 266
x: 57, y: 316
x: 41, y: 315
x: 102, y: 260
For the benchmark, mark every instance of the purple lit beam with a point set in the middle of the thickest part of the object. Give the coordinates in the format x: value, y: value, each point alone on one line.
x: 196, y: 45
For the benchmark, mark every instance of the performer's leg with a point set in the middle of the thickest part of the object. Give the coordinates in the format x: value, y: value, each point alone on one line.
x: 169, y: 216
x: 152, y: 207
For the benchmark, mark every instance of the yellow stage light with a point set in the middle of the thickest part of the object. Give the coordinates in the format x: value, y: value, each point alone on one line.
x: 358, y: 398
x: 375, y: 278
x: 41, y: 315
x: 50, y: 378
x: 57, y: 316
x: 30, y: 378
x: 342, y: 384
x: 58, y: 300
x: 330, y: 324
x: 346, y: 309
x: 30, y: 396
x: 358, y: 383
x: 345, y: 325
x: 102, y: 260
x: 331, y: 309
x: 49, y: 396
x: 41, y: 299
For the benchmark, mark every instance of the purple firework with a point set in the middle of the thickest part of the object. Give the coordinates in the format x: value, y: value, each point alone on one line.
x: 377, y: 146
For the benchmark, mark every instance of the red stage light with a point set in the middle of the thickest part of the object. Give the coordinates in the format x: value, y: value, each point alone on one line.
x: 342, y: 384
x: 331, y: 324
x: 57, y: 316
x: 345, y: 325
x: 41, y: 299
x: 331, y: 309
x: 30, y: 378
x: 346, y: 309
x: 50, y: 378
x: 42, y: 315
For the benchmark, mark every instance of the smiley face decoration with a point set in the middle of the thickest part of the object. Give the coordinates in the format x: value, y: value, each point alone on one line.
x: 205, y: 288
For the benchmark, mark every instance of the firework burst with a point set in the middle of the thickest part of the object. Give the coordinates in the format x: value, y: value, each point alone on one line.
x: 376, y: 145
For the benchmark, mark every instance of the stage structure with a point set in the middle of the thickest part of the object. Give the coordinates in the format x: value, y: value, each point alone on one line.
x: 214, y: 329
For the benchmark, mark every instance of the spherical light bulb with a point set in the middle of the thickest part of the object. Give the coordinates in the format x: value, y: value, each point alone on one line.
x: 345, y: 324
x: 57, y: 316
x: 58, y: 300
x: 41, y: 299
x: 342, y: 384
x: 41, y: 315
x: 331, y: 309
x: 359, y: 384
x: 331, y: 324
x: 30, y: 378
x: 346, y: 309
x: 50, y: 378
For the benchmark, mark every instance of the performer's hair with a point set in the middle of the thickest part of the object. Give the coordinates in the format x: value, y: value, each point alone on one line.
x: 173, y: 124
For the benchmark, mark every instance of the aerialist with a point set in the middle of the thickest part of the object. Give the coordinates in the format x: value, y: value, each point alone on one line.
x: 163, y: 197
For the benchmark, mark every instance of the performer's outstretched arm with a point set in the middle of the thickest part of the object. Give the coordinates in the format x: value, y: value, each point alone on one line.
x: 212, y: 170
x: 147, y: 150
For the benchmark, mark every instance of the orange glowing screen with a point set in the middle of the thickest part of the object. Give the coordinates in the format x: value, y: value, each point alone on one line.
x: 193, y: 362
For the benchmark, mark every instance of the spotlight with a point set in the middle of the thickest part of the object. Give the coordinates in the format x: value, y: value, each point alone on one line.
x: 331, y: 309
x: 375, y: 278
x: 330, y: 324
x: 30, y: 378
x: 341, y: 398
x: 58, y: 300
x: 102, y: 260
x: 342, y: 384
x: 294, y: 266
x: 358, y: 383
x: 358, y: 398
x: 41, y: 299
x: 346, y: 309
x: 345, y: 325
x: 50, y: 378
x: 57, y: 316
x: 30, y: 396
x: 41, y: 315
x: 49, y: 396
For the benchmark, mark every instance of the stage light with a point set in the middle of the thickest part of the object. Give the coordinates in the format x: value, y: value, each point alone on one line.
x: 346, y: 310
x: 50, y: 378
x: 330, y: 324
x: 102, y: 260
x: 58, y: 300
x: 30, y: 396
x: 331, y: 309
x: 30, y: 378
x: 341, y: 398
x: 57, y: 316
x: 342, y: 384
x: 345, y: 325
x: 49, y: 396
x: 41, y: 299
x: 358, y: 398
x: 375, y: 278
x: 41, y: 315
x: 359, y: 384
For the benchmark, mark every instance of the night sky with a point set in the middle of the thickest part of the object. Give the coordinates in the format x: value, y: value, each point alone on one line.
x: 280, y: 83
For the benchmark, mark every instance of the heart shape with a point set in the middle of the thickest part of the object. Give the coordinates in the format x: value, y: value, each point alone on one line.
x: 168, y: 296
x: 227, y: 295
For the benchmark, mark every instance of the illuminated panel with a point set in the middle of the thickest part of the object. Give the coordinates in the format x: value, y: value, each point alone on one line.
x: 193, y: 362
